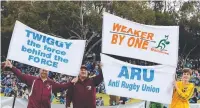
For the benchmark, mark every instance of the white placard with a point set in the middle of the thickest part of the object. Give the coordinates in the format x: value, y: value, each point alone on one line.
x: 157, y: 44
x: 37, y: 49
x: 141, y: 82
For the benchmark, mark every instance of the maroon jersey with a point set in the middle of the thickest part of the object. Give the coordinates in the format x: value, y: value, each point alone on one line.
x: 83, y: 93
x: 41, y: 91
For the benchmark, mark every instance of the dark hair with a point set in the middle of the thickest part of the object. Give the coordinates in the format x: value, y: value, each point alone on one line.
x: 83, y: 67
x: 187, y: 70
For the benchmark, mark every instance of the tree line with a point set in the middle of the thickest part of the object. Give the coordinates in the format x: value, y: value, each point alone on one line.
x: 83, y: 19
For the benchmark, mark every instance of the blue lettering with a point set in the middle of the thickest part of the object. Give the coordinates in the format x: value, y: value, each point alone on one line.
x: 147, y: 88
x: 58, y: 58
x: 23, y: 49
x: 124, y: 72
x: 58, y: 51
x: 68, y: 44
x: 44, y: 39
x: 123, y: 84
x: 36, y: 59
x: 30, y: 57
x: 55, y: 64
x: 65, y: 60
x: 135, y: 72
x: 45, y: 47
x: 145, y: 75
x: 32, y: 43
x: 59, y: 45
x: 110, y: 83
x: 29, y: 42
x: 28, y: 33
x: 37, y: 37
x: 50, y: 41
x: 54, y: 50
x: 114, y: 83
x: 63, y: 52
x: 43, y: 61
x: 29, y: 50
x: 49, y: 63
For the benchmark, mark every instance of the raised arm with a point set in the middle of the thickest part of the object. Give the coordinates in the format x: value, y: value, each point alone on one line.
x: 27, y: 79
x: 56, y: 87
x: 99, y: 78
x: 187, y: 94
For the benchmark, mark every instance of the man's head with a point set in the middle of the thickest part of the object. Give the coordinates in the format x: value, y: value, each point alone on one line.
x: 43, y: 73
x: 187, y: 72
x: 83, y: 72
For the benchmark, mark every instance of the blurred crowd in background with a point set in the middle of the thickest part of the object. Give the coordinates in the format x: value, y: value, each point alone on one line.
x: 10, y: 83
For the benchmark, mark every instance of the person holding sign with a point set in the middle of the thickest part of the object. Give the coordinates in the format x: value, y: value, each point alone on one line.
x: 83, y: 93
x: 42, y: 86
x: 183, y: 91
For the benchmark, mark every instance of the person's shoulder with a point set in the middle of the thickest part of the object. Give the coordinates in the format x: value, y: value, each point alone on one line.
x: 51, y: 81
x: 30, y: 76
x: 191, y: 85
x: 89, y: 80
x: 178, y: 82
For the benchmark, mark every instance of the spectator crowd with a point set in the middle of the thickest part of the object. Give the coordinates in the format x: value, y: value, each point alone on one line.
x: 10, y: 84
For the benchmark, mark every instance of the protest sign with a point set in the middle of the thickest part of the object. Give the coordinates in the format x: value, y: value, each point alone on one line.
x: 141, y: 82
x: 157, y: 44
x: 37, y: 49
